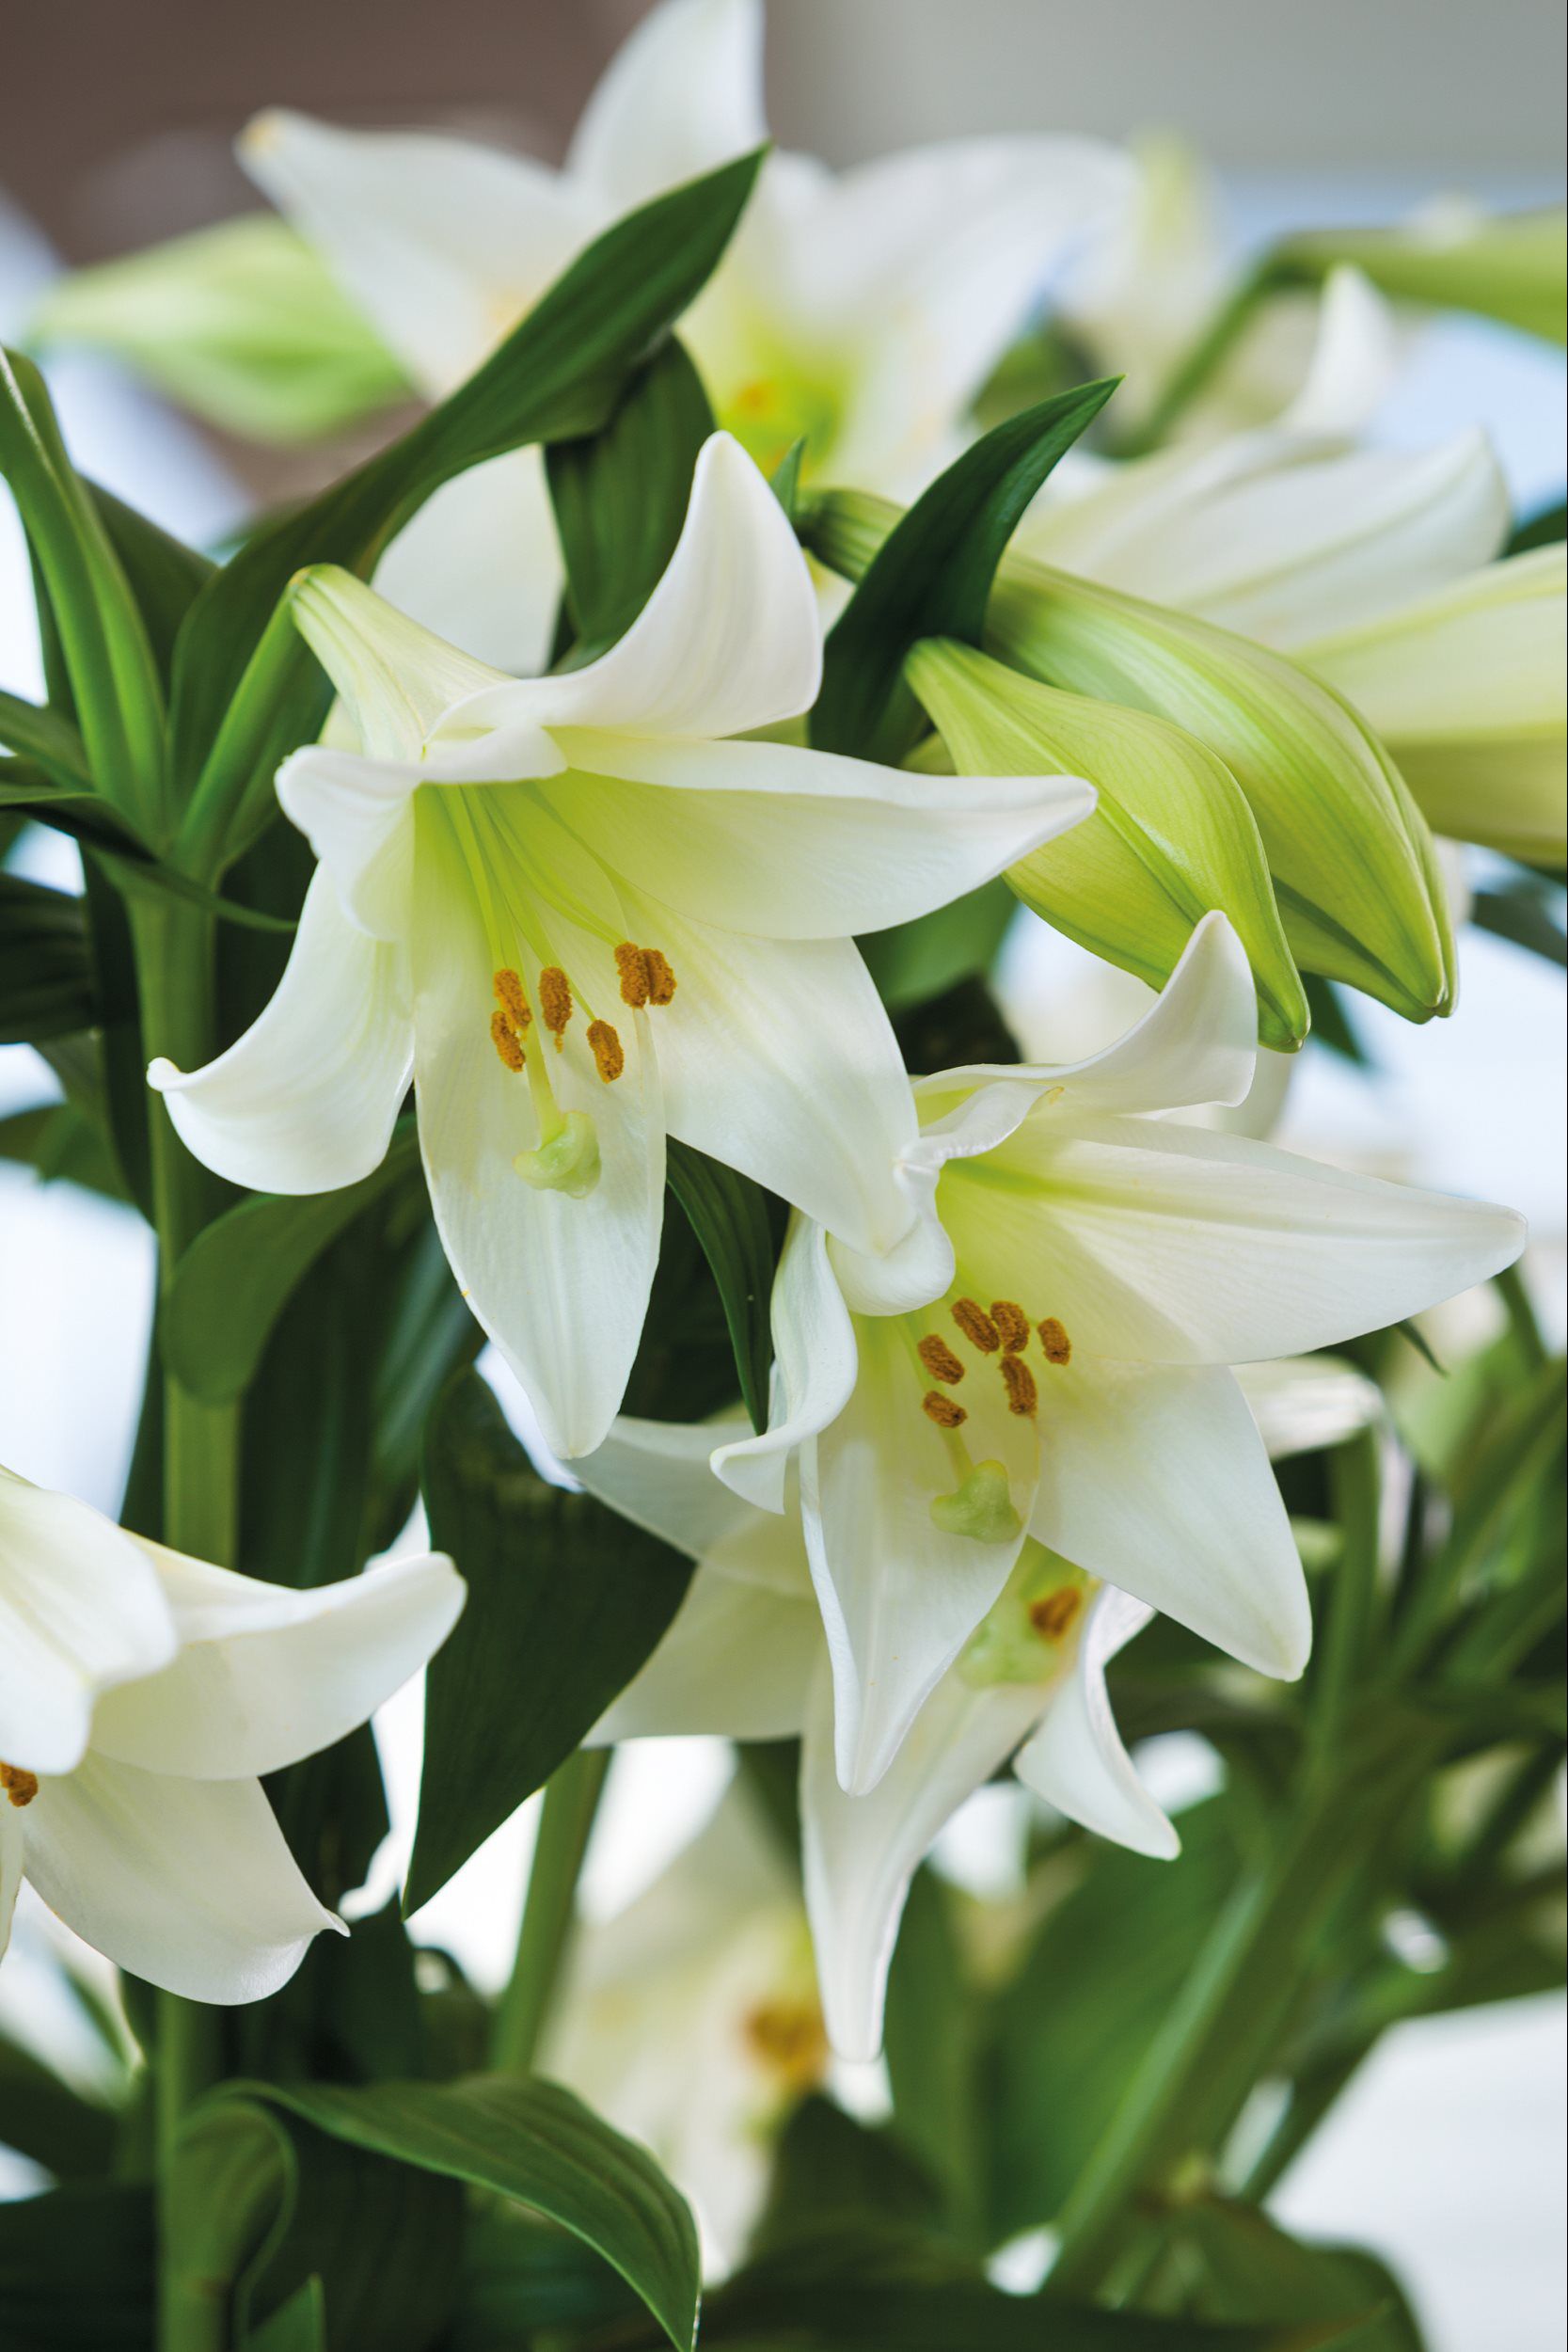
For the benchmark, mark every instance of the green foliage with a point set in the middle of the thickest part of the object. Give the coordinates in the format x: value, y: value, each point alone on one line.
x: 565, y: 1601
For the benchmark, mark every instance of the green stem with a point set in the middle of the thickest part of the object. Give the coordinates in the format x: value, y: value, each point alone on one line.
x: 173, y: 947
x: 1352, y: 1598
x: 571, y: 1801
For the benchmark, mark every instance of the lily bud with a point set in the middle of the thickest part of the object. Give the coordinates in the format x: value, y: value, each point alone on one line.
x: 241, y: 323
x: 1454, y: 255
x: 1171, y: 839
x: 1353, y: 865
x: 1467, y: 689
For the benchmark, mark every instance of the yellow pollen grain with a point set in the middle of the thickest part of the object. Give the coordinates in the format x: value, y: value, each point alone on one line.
x: 1019, y: 1381
x: 977, y: 1326
x: 608, y: 1055
x: 1054, y: 1339
x: 555, y: 1002
x: 21, y: 1787
x: 510, y: 997
x: 944, y: 1410
x: 504, y: 1038
x: 662, y: 977
x: 939, y: 1358
x: 632, y: 967
x: 1053, y: 1613
x: 1012, y: 1323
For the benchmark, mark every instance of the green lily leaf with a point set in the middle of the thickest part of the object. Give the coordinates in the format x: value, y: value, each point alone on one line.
x: 238, y: 1275
x: 45, y: 979
x: 51, y: 2296
x: 533, y: 2142
x: 728, y: 1213
x: 620, y: 498
x: 1503, y: 265
x: 933, y: 577
x: 565, y: 1601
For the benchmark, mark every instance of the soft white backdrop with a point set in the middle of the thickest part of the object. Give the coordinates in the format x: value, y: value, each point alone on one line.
x: 1448, y: 2154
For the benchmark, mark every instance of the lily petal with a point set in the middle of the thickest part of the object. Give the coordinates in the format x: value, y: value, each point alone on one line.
x: 736, y: 1663
x: 80, y: 1610
x: 1302, y: 1403
x: 266, y: 1675
x: 480, y: 564
x: 1157, y: 1481
x: 730, y: 640
x: 859, y: 1852
x: 899, y: 1593
x: 659, y: 1474
x: 13, y: 1855
x: 442, y: 243
x: 306, y: 1100
x: 1076, y: 1760
x: 815, y: 1362
x: 681, y: 95
x: 1170, y: 1244
x: 560, y: 1284
x: 187, y: 1883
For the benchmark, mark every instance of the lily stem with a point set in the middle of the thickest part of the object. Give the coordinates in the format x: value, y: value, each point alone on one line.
x: 571, y: 1801
x: 200, y: 1492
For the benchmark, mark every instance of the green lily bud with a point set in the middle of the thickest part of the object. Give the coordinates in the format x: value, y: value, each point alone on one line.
x: 1467, y: 689
x: 1506, y: 265
x: 240, y: 324
x: 1171, y: 838
x: 1355, y: 870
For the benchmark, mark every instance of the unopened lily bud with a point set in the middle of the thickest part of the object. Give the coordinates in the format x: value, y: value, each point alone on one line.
x: 1456, y: 257
x: 1171, y: 839
x: 1353, y: 861
x: 241, y: 323
x: 1467, y: 689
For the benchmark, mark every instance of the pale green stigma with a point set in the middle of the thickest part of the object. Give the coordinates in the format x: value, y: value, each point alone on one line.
x: 981, y: 1508
x: 569, y: 1162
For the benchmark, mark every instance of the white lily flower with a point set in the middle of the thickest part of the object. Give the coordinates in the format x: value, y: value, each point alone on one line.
x: 588, y: 846
x: 1072, y: 1381
x: 746, y: 1657
x: 1374, y: 567
x: 863, y: 310
x: 141, y: 1693
x: 691, y: 2020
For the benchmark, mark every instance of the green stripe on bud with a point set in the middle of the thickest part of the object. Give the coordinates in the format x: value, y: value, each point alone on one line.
x: 1171, y: 839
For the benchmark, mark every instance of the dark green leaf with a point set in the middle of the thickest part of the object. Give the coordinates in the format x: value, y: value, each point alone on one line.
x: 52, y: 2297
x: 49, y: 739
x: 829, y: 2171
x: 925, y: 957
x: 1332, y: 1024
x: 929, y: 2039
x: 298, y: 2326
x: 534, y: 2142
x: 557, y: 376
x: 45, y: 983
x: 728, y: 1213
x: 519, y: 2276
x: 1523, y: 917
x: 261, y: 2201
x: 165, y: 575
x: 237, y: 1275
x: 64, y: 1145
x: 565, y: 1601
x: 1542, y: 529
x: 932, y: 576
x: 1248, y: 2268
x: 42, y: 2117
x: 620, y: 498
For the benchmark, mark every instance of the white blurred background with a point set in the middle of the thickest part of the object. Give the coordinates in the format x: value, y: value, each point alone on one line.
x: 1446, y: 2155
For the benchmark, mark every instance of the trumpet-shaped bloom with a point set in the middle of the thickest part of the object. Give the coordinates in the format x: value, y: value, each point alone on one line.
x: 581, y: 918
x: 746, y: 1657
x: 862, y: 311
x: 141, y: 1693
x: 1070, y: 1382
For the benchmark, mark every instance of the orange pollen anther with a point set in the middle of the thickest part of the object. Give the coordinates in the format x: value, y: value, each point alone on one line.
x: 511, y: 997
x: 1054, y: 1339
x: 504, y: 1038
x: 632, y: 965
x: 607, y: 1054
x: 939, y: 1358
x: 1022, y: 1395
x: 790, y: 2040
x: 944, y: 1410
x: 1052, y: 1616
x: 661, y: 978
x: 1012, y: 1323
x: 977, y: 1326
x: 555, y: 1002
x: 21, y: 1787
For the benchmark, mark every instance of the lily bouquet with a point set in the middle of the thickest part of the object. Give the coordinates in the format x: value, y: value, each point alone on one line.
x: 542, y: 890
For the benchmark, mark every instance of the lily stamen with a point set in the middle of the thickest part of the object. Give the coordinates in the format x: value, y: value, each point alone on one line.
x: 1054, y: 1339
x: 555, y: 1002
x: 977, y: 1326
x: 608, y: 1054
x: 1053, y: 1613
x: 508, y: 1044
x: 1012, y: 1323
x: 944, y: 1410
x: 939, y: 1358
x: 20, y: 1786
x: 1019, y: 1381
